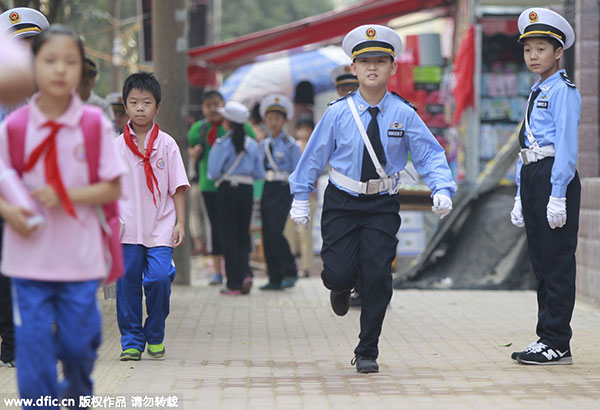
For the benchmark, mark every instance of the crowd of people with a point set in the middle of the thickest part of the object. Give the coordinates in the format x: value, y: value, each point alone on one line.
x: 75, y: 152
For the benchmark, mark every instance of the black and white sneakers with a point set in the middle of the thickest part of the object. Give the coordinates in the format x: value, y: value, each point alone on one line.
x: 540, y: 353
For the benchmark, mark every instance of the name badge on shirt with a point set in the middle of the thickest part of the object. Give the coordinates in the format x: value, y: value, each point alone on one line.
x: 395, y: 133
x: 542, y: 104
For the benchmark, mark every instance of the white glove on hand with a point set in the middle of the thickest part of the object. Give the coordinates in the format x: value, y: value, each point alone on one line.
x: 442, y: 205
x: 300, y: 212
x: 556, y: 212
x: 516, y: 215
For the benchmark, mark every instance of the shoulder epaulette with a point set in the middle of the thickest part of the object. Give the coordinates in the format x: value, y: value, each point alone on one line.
x: 567, y: 80
x: 405, y: 101
x: 341, y: 98
x: 287, y: 139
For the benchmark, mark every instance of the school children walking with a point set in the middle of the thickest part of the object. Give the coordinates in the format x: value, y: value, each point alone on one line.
x: 56, y: 266
x: 548, y: 194
x: 234, y: 164
x: 281, y: 154
x: 360, y: 210
x: 154, y: 215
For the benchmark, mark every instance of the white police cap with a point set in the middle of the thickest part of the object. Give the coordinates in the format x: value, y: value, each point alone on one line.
x: 279, y: 103
x: 540, y: 22
x: 22, y: 22
x: 342, y: 75
x: 234, y: 112
x: 372, y: 40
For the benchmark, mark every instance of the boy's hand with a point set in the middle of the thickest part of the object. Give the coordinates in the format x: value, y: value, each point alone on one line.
x: 16, y: 217
x: 46, y: 196
x: 178, y: 235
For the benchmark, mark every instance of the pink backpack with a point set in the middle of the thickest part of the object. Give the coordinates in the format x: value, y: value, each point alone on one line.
x: 16, y: 126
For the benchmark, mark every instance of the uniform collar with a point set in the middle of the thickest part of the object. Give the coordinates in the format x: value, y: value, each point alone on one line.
x: 70, y: 118
x: 134, y: 137
x: 548, y: 83
x: 362, y: 105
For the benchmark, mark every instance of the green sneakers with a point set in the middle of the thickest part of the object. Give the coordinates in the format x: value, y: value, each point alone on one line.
x: 130, y: 354
x: 156, y: 351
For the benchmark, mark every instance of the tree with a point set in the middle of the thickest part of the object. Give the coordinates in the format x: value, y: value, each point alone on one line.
x: 247, y: 16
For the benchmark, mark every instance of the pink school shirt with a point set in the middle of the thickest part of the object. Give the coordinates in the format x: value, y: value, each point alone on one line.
x: 145, y: 223
x: 63, y: 249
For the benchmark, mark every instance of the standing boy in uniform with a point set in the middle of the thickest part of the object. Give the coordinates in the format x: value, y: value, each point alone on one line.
x: 281, y: 154
x: 360, y: 210
x: 548, y: 194
x: 154, y: 214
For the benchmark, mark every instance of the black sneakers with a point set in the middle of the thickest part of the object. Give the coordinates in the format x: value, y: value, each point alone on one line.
x: 545, y: 355
x: 365, y: 364
x: 514, y: 355
x: 340, y: 302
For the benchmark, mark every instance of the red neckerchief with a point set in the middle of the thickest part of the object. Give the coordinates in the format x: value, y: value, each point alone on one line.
x: 150, y: 177
x: 51, y: 170
x: 211, y: 137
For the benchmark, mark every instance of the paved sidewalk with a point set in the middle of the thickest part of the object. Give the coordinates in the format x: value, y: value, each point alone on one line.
x: 439, y: 349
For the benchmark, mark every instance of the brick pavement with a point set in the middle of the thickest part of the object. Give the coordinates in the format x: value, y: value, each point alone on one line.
x: 439, y: 349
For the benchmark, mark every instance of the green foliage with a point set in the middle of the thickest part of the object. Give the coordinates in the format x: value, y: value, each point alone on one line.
x: 241, y: 17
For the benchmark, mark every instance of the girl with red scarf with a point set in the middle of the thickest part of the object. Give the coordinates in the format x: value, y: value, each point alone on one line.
x: 153, y: 210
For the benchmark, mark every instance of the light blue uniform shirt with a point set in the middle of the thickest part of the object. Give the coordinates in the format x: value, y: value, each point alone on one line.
x: 554, y: 121
x: 222, y: 156
x: 337, y: 140
x: 284, y: 150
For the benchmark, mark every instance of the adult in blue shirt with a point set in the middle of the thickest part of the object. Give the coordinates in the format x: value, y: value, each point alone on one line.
x: 360, y: 211
x: 549, y: 190
x: 234, y: 163
x: 281, y: 154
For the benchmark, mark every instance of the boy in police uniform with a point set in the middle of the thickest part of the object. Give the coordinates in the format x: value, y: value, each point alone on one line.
x: 24, y: 24
x: 345, y: 82
x: 548, y: 194
x: 360, y: 210
x: 281, y: 154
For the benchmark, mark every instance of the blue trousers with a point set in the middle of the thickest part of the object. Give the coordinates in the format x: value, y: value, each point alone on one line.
x: 71, y: 307
x: 151, y: 269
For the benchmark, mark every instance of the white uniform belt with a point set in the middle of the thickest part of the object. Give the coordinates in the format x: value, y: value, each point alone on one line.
x: 370, y: 187
x: 271, y: 175
x: 237, y: 179
x: 535, y: 153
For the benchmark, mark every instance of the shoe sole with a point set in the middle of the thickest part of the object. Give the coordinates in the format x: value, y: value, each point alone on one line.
x: 563, y: 361
x: 130, y: 358
x: 339, y: 312
x: 156, y: 355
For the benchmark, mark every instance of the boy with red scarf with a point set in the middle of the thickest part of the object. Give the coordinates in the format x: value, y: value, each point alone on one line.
x: 153, y: 209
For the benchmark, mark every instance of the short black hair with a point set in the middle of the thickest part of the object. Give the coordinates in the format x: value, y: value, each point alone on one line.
x: 142, y: 81
x: 58, y: 30
x: 210, y: 94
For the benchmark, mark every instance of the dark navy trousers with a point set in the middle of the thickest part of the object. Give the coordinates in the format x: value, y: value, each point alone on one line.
x: 359, y: 242
x: 234, y: 211
x: 552, y: 252
x: 274, y: 208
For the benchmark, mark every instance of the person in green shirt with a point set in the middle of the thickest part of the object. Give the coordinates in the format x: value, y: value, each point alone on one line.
x: 201, y: 137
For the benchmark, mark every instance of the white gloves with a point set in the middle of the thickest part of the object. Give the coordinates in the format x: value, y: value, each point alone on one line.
x: 300, y: 212
x: 442, y: 205
x: 516, y: 215
x: 556, y: 212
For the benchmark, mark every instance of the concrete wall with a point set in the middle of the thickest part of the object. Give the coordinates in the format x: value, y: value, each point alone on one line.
x: 587, y: 75
x: 588, y: 247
